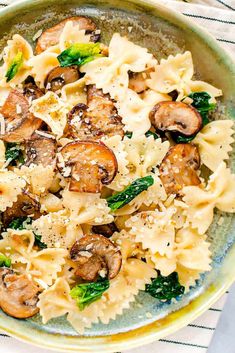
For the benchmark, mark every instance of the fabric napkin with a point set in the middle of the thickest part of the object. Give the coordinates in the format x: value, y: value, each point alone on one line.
x: 218, y: 17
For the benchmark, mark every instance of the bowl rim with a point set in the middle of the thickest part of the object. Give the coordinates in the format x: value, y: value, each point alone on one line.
x: 175, y: 320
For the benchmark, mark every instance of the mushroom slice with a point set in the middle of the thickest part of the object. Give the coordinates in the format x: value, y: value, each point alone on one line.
x: 106, y: 230
x: 60, y: 76
x: 98, y: 120
x: 19, y: 122
x: 93, y: 254
x: 40, y: 149
x: 179, y: 168
x: 51, y: 36
x: 176, y: 117
x: 18, y: 294
x: 31, y: 90
x: 25, y: 205
x: 89, y: 164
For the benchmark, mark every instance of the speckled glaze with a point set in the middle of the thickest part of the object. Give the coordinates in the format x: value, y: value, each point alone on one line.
x: 164, y: 32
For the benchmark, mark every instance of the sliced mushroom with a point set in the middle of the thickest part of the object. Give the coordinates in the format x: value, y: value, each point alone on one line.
x: 179, y: 168
x: 98, y: 120
x: 95, y: 254
x: 60, y: 76
x: 40, y: 149
x: 51, y: 36
x: 106, y: 230
x: 176, y: 117
x: 89, y: 164
x: 19, y: 122
x: 31, y: 90
x: 26, y: 205
x: 18, y: 294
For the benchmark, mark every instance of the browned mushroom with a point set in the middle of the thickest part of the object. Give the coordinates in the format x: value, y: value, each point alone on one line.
x: 60, y: 76
x: 26, y: 205
x: 89, y: 164
x: 18, y: 294
x: 31, y: 90
x: 106, y: 230
x: 19, y: 122
x: 179, y: 168
x: 176, y: 117
x: 40, y: 149
x: 96, y: 255
x: 51, y: 36
x: 99, y: 119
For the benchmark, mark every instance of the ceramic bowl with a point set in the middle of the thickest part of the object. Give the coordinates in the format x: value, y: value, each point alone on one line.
x: 164, y: 32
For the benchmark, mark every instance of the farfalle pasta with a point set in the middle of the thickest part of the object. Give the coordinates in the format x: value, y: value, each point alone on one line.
x: 102, y: 194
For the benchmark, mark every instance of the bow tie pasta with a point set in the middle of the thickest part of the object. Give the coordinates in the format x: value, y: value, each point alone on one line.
x: 111, y: 166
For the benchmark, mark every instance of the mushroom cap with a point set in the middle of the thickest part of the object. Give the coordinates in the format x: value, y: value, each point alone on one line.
x: 94, y: 253
x: 31, y: 90
x: 40, y: 149
x: 60, y: 76
x: 25, y: 205
x: 92, y: 164
x: 176, y: 117
x: 51, y: 35
x: 18, y: 294
x: 21, y: 125
x: 99, y: 118
x: 106, y: 230
x: 179, y: 168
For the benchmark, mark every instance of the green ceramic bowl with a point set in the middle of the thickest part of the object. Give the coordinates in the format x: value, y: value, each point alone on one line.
x: 164, y: 32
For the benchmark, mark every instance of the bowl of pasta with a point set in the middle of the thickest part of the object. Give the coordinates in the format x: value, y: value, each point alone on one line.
x: 116, y: 173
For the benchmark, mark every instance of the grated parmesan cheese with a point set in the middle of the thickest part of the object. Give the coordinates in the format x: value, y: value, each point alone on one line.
x: 37, y: 35
x: 44, y: 134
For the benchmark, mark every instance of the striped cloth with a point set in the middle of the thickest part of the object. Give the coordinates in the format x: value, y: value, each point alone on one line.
x: 218, y: 17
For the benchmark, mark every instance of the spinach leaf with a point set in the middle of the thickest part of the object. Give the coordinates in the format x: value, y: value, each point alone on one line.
x: 165, y: 288
x: 87, y: 293
x: 14, y: 66
x: 21, y: 223
x: 147, y: 134
x: 4, y: 261
x: 79, y: 54
x: 14, y: 153
x: 201, y: 103
x: 122, y: 198
x: 151, y: 133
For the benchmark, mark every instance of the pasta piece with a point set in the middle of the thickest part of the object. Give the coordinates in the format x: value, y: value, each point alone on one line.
x: 86, y: 208
x: 42, y: 64
x: 50, y: 203
x: 191, y: 256
x: 11, y: 186
x: 2, y: 153
x: 14, y: 46
x: 155, y: 230
x: 57, y: 229
x: 135, y: 109
x: 144, y: 154
x: 72, y: 34
x: 38, y: 177
x: 52, y: 110
x: 74, y: 93
x: 111, y: 73
x: 214, y: 142
x: 218, y: 193
x: 43, y: 264
x: 175, y: 73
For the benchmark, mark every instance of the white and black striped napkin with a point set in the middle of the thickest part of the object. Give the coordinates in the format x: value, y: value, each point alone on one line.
x: 218, y: 17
